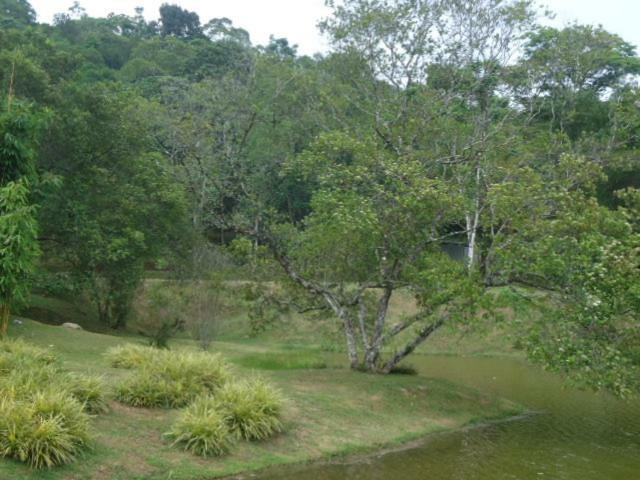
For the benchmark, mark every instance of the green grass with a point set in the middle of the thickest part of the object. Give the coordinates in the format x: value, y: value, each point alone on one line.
x: 328, y: 412
x: 284, y: 361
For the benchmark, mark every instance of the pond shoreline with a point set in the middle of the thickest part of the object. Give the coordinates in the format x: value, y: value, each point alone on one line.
x: 375, y: 451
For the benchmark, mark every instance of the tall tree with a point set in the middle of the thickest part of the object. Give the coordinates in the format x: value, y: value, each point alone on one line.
x: 16, y: 13
x: 178, y: 22
x: 18, y: 227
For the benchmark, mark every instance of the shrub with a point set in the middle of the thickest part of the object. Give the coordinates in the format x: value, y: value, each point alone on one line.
x: 173, y: 380
x: 252, y: 409
x: 47, y: 430
x: 131, y: 355
x: 202, y: 429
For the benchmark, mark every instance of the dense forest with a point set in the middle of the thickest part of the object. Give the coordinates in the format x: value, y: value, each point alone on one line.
x: 129, y: 145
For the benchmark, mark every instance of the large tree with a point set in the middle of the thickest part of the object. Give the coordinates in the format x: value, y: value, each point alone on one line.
x: 119, y: 207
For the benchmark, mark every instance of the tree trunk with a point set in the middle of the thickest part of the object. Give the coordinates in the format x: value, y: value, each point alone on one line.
x: 473, y: 220
x: 5, y: 315
x: 412, y: 345
x: 373, y: 351
x: 352, y: 349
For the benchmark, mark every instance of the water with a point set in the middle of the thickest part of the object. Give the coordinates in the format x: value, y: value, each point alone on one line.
x: 575, y: 435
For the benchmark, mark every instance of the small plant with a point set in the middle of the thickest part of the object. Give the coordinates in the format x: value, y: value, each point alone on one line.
x: 131, y: 355
x: 173, y: 380
x: 252, y: 409
x: 202, y: 429
x: 160, y: 314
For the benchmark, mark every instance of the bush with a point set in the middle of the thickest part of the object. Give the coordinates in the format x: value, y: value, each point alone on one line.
x: 159, y: 313
x: 131, y: 355
x: 173, y: 379
x: 47, y: 430
x: 202, y: 429
x: 252, y: 409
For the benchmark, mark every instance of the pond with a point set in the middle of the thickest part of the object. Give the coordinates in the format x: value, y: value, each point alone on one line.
x: 573, y: 434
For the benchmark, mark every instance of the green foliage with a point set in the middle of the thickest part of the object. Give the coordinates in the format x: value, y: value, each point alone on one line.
x: 178, y: 22
x: 139, y: 214
x: 202, y: 429
x: 173, y: 379
x: 19, y: 248
x: 15, y: 13
x: 251, y: 408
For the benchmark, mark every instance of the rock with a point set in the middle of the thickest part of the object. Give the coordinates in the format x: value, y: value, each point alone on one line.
x: 73, y: 326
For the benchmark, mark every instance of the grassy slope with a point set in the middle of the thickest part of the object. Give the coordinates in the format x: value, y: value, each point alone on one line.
x: 329, y: 412
x: 486, y: 338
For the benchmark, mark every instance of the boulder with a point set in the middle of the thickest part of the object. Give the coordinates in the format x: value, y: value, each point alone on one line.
x: 73, y: 326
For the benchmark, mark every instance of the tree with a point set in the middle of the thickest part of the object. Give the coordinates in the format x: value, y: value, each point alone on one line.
x: 19, y: 248
x: 582, y: 260
x: 178, y: 22
x: 436, y: 151
x: 429, y: 78
x: 120, y: 208
x: 16, y: 13
x: 569, y: 73
x: 374, y: 218
x: 18, y: 227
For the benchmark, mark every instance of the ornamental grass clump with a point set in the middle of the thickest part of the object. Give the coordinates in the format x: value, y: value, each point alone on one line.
x: 46, y: 430
x: 173, y: 380
x: 89, y: 391
x: 28, y: 379
x: 202, y: 429
x: 132, y: 356
x: 44, y: 417
x: 16, y: 353
x: 252, y: 409
x: 248, y: 410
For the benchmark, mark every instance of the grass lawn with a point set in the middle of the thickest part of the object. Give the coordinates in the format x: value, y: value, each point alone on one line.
x: 330, y: 411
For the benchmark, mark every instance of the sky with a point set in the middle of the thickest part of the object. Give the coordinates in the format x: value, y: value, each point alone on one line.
x: 296, y: 19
